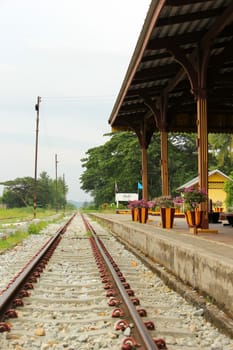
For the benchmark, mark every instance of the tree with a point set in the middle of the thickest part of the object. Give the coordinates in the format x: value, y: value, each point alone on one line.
x: 228, y: 187
x: 20, y: 192
x: 182, y: 159
x: 58, y: 193
x: 221, y: 147
x: 44, y: 190
x: 118, y: 159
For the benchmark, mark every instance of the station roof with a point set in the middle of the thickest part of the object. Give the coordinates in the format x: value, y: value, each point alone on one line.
x: 188, y: 25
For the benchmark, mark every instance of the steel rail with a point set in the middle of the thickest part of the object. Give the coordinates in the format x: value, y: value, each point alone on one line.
x: 142, y: 330
x: 14, y: 286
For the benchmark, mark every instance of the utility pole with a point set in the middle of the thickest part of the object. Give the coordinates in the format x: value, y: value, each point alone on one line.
x: 64, y: 193
x: 37, y: 108
x: 56, y: 161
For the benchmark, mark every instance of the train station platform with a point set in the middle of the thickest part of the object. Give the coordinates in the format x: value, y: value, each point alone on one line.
x: 203, y: 261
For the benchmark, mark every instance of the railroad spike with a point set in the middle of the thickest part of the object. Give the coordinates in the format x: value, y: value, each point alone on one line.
x: 142, y: 312
x: 4, y: 327
x: 121, y: 325
x: 118, y: 312
x: 11, y: 313
x: 129, y: 343
x: 18, y: 302
x: 110, y: 293
x: 150, y: 325
x: 114, y: 302
x: 135, y: 301
x: 161, y: 344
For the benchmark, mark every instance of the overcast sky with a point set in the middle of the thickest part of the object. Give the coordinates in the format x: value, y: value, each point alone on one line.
x: 74, y: 54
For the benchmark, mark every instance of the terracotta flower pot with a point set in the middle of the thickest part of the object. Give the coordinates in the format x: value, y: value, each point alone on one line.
x: 194, y: 217
x: 134, y: 213
x: 142, y: 215
x: 218, y: 209
x: 167, y: 217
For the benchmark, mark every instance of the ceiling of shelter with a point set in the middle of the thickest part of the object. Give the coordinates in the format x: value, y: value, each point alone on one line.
x: 177, y: 31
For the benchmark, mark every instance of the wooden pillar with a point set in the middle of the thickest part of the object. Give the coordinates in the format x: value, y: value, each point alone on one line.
x: 160, y: 116
x: 144, y: 173
x: 164, y: 162
x: 202, y: 144
x: 144, y: 135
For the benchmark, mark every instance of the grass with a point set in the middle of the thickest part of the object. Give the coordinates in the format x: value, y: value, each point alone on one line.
x: 13, y: 240
x: 89, y: 233
x: 36, y: 227
x: 10, y: 241
x: 23, y: 214
x: 11, y: 216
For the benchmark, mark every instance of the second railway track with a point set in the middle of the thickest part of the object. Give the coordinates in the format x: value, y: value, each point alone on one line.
x: 68, y: 307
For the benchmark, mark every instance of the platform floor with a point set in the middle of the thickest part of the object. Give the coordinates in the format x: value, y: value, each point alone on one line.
x: 220, y: 243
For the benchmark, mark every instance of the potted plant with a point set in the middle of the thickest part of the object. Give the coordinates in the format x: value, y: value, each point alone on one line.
x: 164, y: 202
x: 193, y: 196
x: 178, y: 202
x: 218, y: 206
x: 133, y: 205
x: 167, y: 210
x: 139, y: 209
x: 143, y: 210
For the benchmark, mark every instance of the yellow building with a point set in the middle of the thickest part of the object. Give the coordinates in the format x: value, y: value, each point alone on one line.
x: 216, y: 193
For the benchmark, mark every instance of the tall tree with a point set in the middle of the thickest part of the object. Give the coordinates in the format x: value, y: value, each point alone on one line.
x: 221, y: 147
x: 228, y: 187
x: 44, y: 190
x: 118, y: 159
x: 182, y: 159
x: 20, y: 192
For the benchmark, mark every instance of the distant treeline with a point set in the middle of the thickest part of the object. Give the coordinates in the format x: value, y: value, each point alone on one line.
x: 49, y: 192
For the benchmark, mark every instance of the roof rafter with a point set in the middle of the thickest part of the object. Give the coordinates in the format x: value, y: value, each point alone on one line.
x: 181, y: 41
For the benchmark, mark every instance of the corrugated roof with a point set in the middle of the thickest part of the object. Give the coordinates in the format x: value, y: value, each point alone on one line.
x: 184, y: 24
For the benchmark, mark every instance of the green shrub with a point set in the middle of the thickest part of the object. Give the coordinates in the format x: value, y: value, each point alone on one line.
x: 36, y: 227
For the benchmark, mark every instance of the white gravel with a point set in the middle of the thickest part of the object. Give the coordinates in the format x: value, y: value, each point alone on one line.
x: 156, y: 297
x: 12, y: 261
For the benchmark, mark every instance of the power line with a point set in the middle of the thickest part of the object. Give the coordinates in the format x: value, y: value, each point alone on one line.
x: 77, y: 98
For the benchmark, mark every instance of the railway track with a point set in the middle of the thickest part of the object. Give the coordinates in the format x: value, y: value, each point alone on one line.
x: 75, y: 304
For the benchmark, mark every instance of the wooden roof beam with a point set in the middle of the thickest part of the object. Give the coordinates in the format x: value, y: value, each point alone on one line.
x: 183, y: 2
x: 153, y: 90
x: 226, y: 53
x: 218, y: 26
x: 189, y: 17
x: 156, y: 72
x: 182, y: 39
x: 221, y: 22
